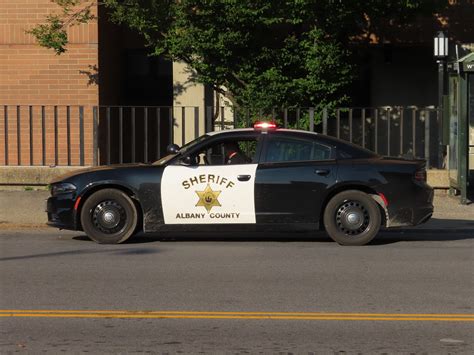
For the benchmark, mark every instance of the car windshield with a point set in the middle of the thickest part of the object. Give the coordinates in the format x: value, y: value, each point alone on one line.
x: 189, y: 145
x: 181, y: 150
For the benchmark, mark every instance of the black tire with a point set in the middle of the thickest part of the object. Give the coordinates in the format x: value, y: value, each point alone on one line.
x: 109, y: 216
x: 352, y: 217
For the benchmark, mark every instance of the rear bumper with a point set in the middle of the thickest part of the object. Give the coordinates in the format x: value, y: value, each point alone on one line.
x: 419, y: 210
x: 410, y: 217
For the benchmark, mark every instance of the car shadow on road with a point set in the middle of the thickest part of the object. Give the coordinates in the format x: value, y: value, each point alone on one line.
x: 221, y: 237
x: 391, y: 237
x: 437, y: 230
x: 113, y: 251
x: 448, y: 224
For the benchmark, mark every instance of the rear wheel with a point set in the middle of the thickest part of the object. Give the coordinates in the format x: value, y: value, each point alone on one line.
x: 109, y: 216
x: 352, y: 217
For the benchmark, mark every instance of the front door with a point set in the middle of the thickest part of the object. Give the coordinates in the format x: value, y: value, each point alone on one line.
x: 219, y: 188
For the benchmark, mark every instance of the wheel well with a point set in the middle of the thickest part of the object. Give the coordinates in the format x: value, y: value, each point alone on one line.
x: 109, y: 186
x: 334, y: 192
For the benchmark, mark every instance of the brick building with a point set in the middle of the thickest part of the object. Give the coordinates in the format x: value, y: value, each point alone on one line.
x: 32, y: 75
x: 108, y: 65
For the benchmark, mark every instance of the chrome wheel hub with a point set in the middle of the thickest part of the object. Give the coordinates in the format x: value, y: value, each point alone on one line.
x: 352, y: 218
x: 108, y: 217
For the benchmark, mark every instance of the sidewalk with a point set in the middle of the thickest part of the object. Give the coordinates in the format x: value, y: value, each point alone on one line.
x: 25, y: 209
x: 449, y: 214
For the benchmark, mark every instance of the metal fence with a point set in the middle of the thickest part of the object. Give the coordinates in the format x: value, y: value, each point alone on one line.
x: 393, y: 131
x: 42, y: 135
x: 404, y: 131
x: 79, y: 135
x: 129, y: 134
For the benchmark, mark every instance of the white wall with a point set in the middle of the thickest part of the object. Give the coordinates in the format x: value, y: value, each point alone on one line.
x: 189, y: 95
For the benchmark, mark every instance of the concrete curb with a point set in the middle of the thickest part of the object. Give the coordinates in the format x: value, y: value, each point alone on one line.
x: 33, y: 175
x: 23, y: 207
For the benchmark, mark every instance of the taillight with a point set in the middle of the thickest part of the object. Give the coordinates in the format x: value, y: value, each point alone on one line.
x: 420, y: 175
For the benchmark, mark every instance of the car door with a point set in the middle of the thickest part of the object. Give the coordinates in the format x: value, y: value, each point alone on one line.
x: 216, y: 188
x: 292, y: 177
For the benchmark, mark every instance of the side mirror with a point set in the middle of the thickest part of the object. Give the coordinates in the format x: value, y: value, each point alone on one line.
x: 172, y: 148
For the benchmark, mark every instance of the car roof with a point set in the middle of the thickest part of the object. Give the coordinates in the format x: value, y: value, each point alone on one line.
x: 241, y: 130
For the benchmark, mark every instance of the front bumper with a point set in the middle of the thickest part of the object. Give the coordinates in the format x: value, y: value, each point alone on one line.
x: 60, y: 210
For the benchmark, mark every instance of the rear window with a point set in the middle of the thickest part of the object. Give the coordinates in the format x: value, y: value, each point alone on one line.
x: 286, y: 149
x: 352, y: 151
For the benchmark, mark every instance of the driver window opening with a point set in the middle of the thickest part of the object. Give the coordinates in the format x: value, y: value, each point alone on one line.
x: 237, y: 151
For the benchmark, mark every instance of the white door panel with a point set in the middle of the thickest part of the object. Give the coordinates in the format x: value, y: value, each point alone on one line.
x: 208, y: 194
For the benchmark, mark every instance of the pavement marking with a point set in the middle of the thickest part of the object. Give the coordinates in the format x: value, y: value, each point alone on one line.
x: 452, y: 317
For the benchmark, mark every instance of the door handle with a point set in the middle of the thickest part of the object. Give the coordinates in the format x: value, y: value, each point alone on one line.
x: 243, y: 177
x: 322, y: 172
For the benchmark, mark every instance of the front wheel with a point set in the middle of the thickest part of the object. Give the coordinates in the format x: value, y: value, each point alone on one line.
x: 352, y: 217
x: 109, y: 216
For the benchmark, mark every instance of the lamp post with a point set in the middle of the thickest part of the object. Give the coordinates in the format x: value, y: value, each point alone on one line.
x: 441, y: 45
x: 441, y: 56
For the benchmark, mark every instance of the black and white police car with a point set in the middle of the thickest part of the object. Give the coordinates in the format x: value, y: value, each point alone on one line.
x: 261, y: 178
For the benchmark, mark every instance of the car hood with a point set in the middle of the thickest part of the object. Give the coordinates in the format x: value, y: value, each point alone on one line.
x: 95, y: 169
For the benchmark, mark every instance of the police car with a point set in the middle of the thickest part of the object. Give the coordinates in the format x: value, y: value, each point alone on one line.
x: 261, y: 178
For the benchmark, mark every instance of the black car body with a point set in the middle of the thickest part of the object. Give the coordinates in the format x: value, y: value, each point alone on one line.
x: 286, y: 179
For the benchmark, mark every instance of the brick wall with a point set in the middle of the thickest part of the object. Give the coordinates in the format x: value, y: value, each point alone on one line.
x: 31, y: 75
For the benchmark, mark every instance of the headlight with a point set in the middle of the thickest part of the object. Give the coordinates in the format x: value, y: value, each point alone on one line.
x: 62, y: 188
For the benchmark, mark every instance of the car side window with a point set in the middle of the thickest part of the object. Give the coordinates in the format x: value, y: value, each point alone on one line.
x: 229, y: 151
x: 287, y: 149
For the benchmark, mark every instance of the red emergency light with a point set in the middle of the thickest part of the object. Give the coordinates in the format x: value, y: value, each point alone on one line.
x: 264, y: 125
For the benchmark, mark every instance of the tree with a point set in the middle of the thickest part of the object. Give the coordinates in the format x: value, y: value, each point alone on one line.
x: 257, y: 53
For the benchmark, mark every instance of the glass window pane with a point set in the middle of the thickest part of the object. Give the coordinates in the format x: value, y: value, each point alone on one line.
x: 281, y: 149
x: 236, y: 151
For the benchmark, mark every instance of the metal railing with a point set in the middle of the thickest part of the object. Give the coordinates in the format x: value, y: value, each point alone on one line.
x: 133, y: 133
x: 79, y: 135
x: 393, y: 131
x: 42, y: 135
x: 407, y: 131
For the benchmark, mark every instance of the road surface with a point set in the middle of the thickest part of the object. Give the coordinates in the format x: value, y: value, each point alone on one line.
x: 257, y: 293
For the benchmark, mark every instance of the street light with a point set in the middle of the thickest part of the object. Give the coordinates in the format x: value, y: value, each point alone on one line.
x: 441, y: 45
x: 441, y: 56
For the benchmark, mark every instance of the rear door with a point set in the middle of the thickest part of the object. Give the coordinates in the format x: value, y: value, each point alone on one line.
x: 216, y: 189
x: 292, y: 178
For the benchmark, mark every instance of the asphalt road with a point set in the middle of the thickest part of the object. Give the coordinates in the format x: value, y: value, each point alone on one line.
x: 408, y: 292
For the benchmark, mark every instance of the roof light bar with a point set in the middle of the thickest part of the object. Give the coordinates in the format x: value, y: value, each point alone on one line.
x: 264, y: 125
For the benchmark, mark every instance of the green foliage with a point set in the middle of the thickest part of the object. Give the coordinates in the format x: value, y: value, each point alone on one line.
x: 257, y: 53
x: 53, y: 33
x: 265, y: 54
